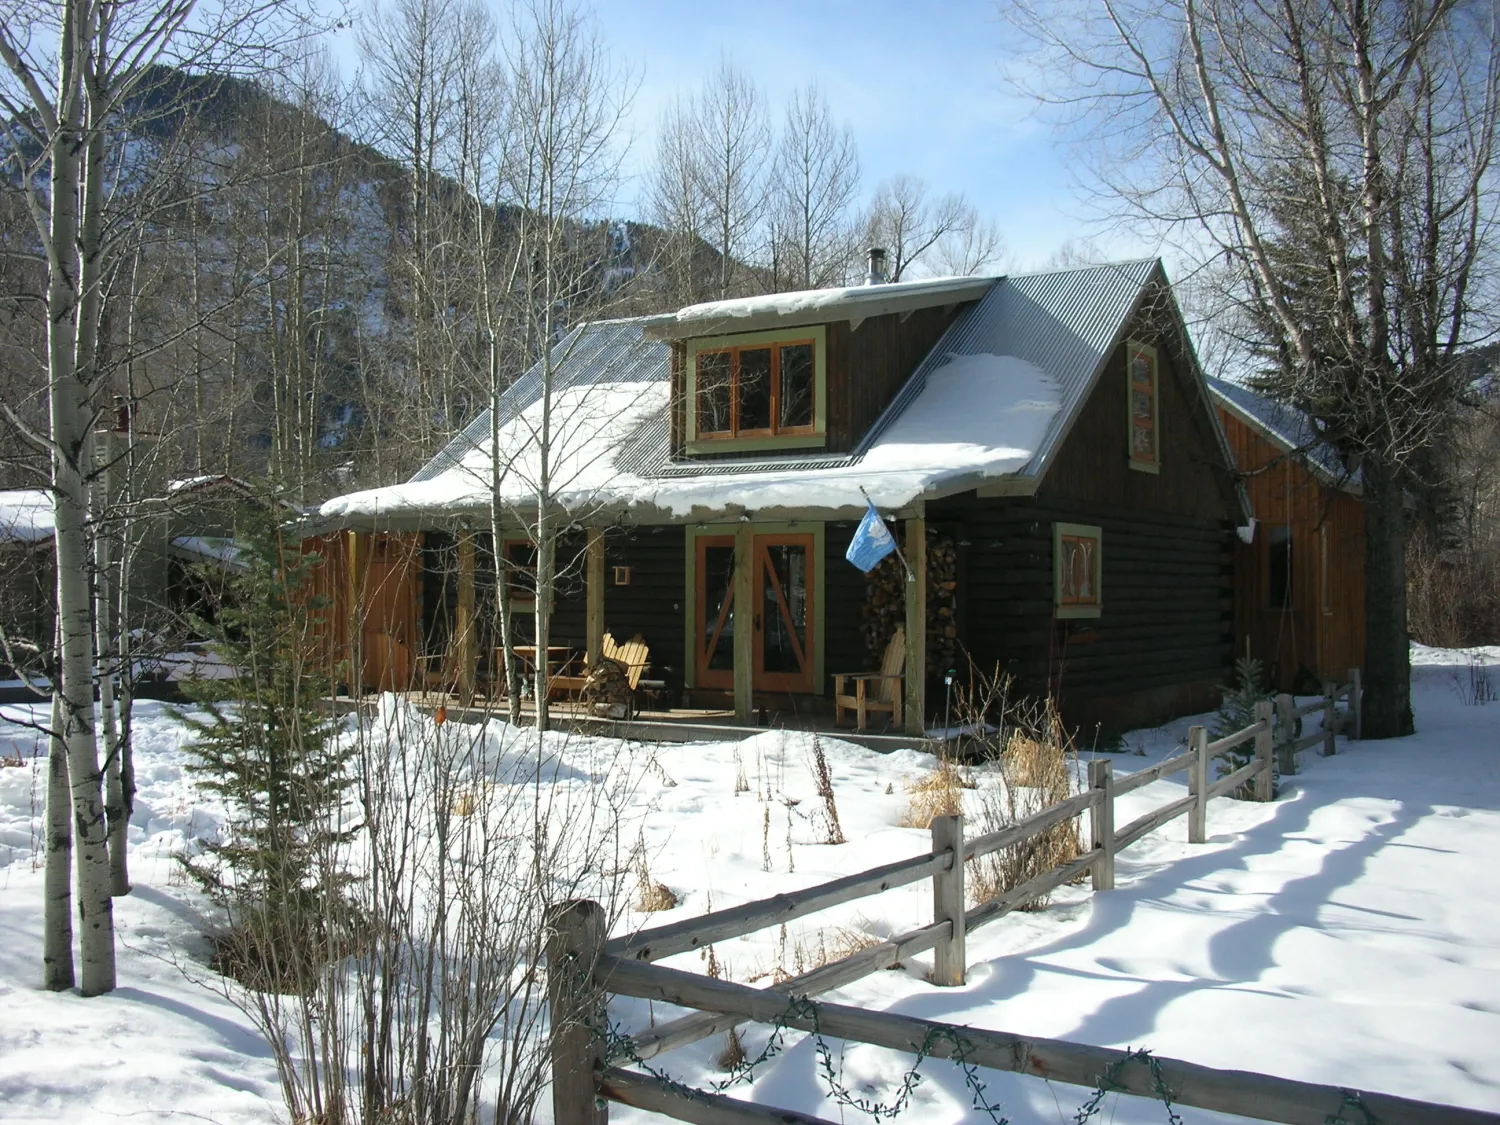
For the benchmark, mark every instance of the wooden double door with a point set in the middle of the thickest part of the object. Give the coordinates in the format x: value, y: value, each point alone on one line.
x: 781, y: 614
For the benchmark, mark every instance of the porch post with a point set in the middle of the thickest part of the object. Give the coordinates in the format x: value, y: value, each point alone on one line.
x: 594, y: 593
x: 464, y: 649
x: 354, y: 624
x: 744, y: 624
x: 915, y: 703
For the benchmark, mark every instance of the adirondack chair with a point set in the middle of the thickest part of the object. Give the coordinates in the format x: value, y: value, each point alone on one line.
x: 874, y: 691
x: 633, y: 656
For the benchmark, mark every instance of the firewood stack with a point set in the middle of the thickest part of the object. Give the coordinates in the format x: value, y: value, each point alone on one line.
x: 885, y: 604
x: 606, y: 692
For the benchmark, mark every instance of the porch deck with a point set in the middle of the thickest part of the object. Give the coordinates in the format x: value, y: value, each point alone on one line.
x: 677, y: 724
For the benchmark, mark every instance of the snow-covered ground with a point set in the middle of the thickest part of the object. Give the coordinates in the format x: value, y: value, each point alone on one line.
x: 1345, y: 934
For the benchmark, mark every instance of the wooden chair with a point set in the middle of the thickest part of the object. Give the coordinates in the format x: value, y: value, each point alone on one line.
x: 888, y: 686
x: 634, y: 656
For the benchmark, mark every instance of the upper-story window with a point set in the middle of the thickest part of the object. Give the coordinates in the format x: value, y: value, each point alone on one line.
x: 1144, y: 408
x: 762, y: 390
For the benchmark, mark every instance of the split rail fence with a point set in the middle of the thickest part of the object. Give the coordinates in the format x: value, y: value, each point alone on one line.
x: 587, y: 1057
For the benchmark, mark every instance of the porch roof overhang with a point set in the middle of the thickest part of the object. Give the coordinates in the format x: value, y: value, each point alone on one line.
x: 816, y: 306
x: 623, y: 511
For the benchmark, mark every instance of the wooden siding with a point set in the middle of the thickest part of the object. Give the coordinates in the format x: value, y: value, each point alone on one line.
x: 864, y: 368
x: 843, y: 608
x: 652, y: 604
x: 1160, y: 647
x: 1093, y: 463
x: 1316, y: 638
x: 868, y: 365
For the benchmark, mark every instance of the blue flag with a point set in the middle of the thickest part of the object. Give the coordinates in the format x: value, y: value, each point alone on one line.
x: 872, y: 541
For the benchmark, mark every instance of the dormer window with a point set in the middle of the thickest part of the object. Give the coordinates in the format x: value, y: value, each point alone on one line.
x: 764, y: 390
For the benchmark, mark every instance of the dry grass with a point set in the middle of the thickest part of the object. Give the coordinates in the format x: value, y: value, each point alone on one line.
x: 1028, y: 766
x: 732, y: 1056
x: 650, y: 896
x: 14, y: 763
x: 939, y: 793
x: 812, y: 951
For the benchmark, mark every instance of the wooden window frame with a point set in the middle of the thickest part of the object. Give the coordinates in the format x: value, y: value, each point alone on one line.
x: 800, y: 437
x: 1134, y: 348
x: 1074, y: 610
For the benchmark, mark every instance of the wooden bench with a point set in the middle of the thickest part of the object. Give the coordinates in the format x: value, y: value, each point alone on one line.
x: 887, y: 686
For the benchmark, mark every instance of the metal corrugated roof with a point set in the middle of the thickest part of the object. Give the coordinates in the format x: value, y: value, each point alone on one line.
x: 607, y: 351
x: 1287, y: 427
x: 1066, y: 323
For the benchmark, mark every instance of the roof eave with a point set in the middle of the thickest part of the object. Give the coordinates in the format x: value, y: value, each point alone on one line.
x: 856, y: 306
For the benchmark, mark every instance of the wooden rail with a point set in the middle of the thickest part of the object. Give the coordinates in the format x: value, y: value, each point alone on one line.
x: 1270, y: 734
x: 1239, y: 1092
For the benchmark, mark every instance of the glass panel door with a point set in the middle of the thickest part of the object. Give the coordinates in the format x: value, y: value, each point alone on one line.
x: 714, y: 641
x: 784, y: 613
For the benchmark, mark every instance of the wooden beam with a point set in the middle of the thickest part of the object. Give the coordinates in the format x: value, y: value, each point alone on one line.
x: 644, y: 1091
x: 1102, y: 823
x: 915, y: 685
x: 1259, y: 1096
x: 950, y: 961
x: 575, y: 936
x: 745, y: 612
x: 594, y: 593
x: 466, y: 650
x: 1198, y: 786
x: 737, y: 921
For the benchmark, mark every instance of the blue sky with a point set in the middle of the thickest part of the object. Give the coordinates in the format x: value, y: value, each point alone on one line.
x: 919, y: 83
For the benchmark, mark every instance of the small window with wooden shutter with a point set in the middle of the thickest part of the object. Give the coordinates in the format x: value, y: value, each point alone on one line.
x: 1078, y: 570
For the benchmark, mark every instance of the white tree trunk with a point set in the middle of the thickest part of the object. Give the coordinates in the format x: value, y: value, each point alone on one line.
x: 57, y: 875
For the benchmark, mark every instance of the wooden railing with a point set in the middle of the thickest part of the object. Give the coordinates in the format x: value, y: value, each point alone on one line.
x: 1289, y: 745
x: 623, y: 963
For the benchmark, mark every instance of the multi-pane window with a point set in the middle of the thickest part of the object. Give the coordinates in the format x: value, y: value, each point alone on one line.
x: 1079, y: 570
x: 756, y: 390
x: 1141, y: 376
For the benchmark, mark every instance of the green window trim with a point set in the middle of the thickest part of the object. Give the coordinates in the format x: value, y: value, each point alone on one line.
x: 1153, y: 463
x: 1074, y: 611
x: 817, y: 439
x: 690, y: 593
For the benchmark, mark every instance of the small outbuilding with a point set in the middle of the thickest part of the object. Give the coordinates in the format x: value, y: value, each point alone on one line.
x: 1299, y: 583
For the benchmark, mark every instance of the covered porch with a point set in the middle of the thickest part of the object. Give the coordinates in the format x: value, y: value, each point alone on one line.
x: 744, y: 623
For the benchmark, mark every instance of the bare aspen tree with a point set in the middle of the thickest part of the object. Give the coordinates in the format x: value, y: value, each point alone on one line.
x: 566, y: 104
x: 816, y: 177
x: 909, y: 222
x: 97, y: 55
x: 1333, y: 161
x: 676, y: 204
x: 732, y: 139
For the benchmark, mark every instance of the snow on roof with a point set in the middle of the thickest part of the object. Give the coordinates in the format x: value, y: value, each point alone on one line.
x: 216, y: 547
x: 25, y: 515
x: 993, y: 398
x: 977, y: 416
x: 811, y: 305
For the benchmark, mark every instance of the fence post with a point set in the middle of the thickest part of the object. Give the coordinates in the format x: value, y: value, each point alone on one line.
x: 948, y: 965
x: 1286, y: 719
x: 1198, y: 785
x: 1357, y: 702
x: 1264, y: 741
x: 575, y: 939
x: 1330, y: 718
x: 1102, y: 822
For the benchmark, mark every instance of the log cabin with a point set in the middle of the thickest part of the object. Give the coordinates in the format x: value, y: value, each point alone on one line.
x: 1045, y: 445
x: 1299, y: 584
